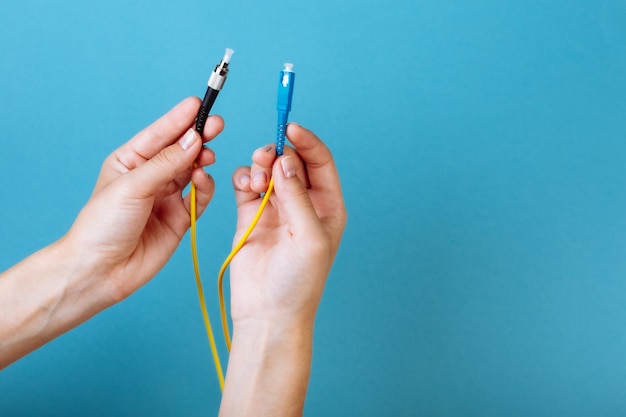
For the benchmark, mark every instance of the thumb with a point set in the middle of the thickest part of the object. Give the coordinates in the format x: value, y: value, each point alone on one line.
x: 293, y: 197
x: 168, y: 163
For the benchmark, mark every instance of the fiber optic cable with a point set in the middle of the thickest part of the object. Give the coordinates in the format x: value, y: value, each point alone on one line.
x: 215, y: 84
x: 283, y: 106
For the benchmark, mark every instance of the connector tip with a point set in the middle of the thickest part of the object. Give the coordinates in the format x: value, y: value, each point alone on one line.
x: 229, y: 52
x: 288, y: 67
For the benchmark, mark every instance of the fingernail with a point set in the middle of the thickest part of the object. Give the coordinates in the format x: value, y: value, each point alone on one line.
x: 260, y: 177
x: 265, y: 148
x: 244, y: 180
x: 188, y: 139
x: 289, y: 170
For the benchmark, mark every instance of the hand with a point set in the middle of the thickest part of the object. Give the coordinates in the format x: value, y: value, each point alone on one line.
x: 280, y: 272
x: 278, y: 277
x: 124, y: 235
x: 136, y: 216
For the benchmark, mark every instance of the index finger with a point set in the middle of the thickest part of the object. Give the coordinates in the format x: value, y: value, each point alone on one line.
x: 167, y: 130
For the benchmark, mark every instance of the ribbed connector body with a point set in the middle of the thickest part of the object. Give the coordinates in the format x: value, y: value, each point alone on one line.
x: 205, y: 108
x: 281, y: 132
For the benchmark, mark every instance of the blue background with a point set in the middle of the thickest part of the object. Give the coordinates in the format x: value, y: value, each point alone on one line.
x: 482, y: 151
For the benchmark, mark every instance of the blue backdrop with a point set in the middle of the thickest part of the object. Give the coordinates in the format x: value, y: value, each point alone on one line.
x: 482, y: 151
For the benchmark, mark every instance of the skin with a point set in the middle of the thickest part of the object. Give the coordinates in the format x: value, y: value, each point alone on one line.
x: 278, y: 277
x: 123, y: 236
x: 133, y: 223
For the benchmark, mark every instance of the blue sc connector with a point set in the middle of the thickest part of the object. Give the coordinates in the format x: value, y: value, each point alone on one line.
x: 283, y: 105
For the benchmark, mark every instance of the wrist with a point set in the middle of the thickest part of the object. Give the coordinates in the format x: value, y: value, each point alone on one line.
x: 57, y: 291
x: 67, y: 287
x: 268, y: 337
x: 84, y: 275
x: 90, y: 269
x: 268, y: 344
x: 268, y: 369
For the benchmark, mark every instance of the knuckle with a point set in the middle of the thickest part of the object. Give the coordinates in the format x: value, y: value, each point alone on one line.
x: 167, y: 159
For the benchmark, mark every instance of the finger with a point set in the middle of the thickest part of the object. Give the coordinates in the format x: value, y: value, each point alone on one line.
x: 262, y: 162
x: 206, y: 157
x: 261, y: 168
x: 323, y: 178
x: 164, y: 132
x: 265, y: 156
x: 241, y: 185
x: 167, y: 165
x: 293, y: 197
x: 319, y: 161
x: 213, y: 127
x: 150, y: 141
x: 205, y: 189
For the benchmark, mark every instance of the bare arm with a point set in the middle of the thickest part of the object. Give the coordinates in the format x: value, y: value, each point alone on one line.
x: 278, y: 277
x: 123, y: 236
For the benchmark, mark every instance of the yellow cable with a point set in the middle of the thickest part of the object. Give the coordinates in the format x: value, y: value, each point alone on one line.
x: 230, y: 257
x: 196, y: 268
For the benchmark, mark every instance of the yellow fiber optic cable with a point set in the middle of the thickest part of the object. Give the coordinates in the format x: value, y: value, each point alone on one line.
x: 215, y: 84
x: 285, y: 90
x: 196, y: 268
x: 283, y: 105
x: 236, y: 248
